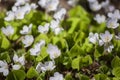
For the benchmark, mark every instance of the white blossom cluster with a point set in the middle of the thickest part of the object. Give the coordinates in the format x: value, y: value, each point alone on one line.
x: 8, y: 31
x: 72, y: 2
x: 57, y: 76
x: 113, y: 15
x: 96, y: 6
x: 54, y: 24
x: 4, y: 68
x: 113, y: 18
x: 33, y: 45
x: 37, y: 48
x: 18, y: 63
x: 18, y: 12
x: 26, y: 29
x: 103, y: 39
x: 49, y: 5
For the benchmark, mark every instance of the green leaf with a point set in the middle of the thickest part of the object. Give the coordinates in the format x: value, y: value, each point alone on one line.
x: 100, y: 77
x: 98, y: 52
x: 83, y: 25
x: 41, y: 37
x: 67, y: 62
x: 11, y: 76
x: 115, y: 62
x: 104, y: 69
x: 43, y: 54
x: 115, y: 78
x: 85, y: 61
x: 32, y: 73
x: 2, y: 19
x: 5, y: 43
x: 55, y: 40
x: 117, y: 45
x: 36, y: 17
x: 79, y: 36
x: 76, y: 63
x: 5, y: 56
x: 98, y: 28
x: 63, y: 43
x: 20, y: 51
x: 34, y: 30
x: 77, y: 11
x: 84, y: 77
x: 75, y: 51
x: 116, y: 72
x: 87, y: 46
x: 60, y: 42
x: 15, y: 37
x: 70, y: 40
x: 74, y: 24
x: 16, y: 75
x: 68, y: 76
x: 41, y: 76
x: 80, y: 19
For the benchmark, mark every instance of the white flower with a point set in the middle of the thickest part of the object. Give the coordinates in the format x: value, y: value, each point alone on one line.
x: 26, y: 8
x: 101, y: 42
x: 95, y: 6
x: 111, y: 8
x: 58, y: 30
x: 4, y: 68
x: 105, y: 3
x: 43, y: 29
x: 72, y: 2
x: 42, y: 3
x: 49, y: 5
x: 112, y: 23
x: 60, y: 14
x: 47, y: 66
x: 28, y: 40
x: 100, y: 18
x: 53, y: 51
x: 19, y: 14
x: 57, y: 76
x: 93, y: 38
x: 16, y: 67
x: 8, y: 31
x: 41, y: 43
x: 91, y: 1
x: 20, y: 60
x: 115, y: 15
x: 107, y: 37
x: 10, y: 16
x: 54, y: 24
x: 14, y: 8
x: 105, y: 40
x: 108, y: 47
x: 107, y: 6
x: 52, y: 5
x: 35, y: 51
x: 33, y: 6
x: 37, y: 48
x: 26, y: 29
x: 21, y: 11
x: 20, y: 2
